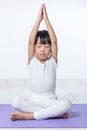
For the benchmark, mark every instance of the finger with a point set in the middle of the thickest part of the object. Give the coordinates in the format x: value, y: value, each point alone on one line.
x: 44, y: 6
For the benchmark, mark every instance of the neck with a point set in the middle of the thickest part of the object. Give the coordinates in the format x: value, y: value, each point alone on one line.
x: 42, y: 61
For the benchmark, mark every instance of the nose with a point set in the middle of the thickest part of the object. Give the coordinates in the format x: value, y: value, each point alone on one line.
x: 43, y: 48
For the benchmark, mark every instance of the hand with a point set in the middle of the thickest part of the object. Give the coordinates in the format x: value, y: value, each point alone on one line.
x: 40, y: 15
x: 45, y: 16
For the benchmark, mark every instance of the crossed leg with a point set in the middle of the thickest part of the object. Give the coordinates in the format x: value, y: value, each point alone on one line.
x: 29, y: 116
x: 30, y: 111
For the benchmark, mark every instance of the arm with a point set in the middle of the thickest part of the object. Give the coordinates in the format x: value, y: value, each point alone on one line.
x: 33, y: 35
x: 54, y: 48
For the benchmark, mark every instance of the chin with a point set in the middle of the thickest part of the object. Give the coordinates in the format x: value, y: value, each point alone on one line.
x: 42, y: 59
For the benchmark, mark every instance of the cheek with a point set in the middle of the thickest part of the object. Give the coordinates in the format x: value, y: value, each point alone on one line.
x: 37, y: 51
x: 49, y: 50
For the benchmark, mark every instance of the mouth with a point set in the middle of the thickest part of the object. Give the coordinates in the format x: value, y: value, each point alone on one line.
x: 42, y: 54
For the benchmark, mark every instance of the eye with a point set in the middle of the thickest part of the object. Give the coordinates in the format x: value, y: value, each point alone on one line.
x: 38, y: 46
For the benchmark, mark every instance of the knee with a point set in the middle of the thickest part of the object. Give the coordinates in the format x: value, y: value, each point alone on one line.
x: 15, y: 102
x: 67, y: 104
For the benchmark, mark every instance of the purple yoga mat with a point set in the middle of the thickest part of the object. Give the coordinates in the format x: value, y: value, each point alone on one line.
x: 77, y: 119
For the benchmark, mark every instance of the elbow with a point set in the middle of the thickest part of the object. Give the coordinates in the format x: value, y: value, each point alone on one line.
x: 31, y: 41
x: 54, y: 41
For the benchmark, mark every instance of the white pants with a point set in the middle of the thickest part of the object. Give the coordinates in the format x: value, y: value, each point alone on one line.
x: 42, y: 108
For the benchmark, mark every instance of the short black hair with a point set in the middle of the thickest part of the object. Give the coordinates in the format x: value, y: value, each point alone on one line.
x: 44, y: 37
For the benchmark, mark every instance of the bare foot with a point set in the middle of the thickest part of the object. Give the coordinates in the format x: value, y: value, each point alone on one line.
x: 65, y: 115
x: 22, y: 116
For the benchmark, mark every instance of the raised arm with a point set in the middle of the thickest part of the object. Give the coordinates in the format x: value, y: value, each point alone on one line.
x: 54, y: 47
x: 33, y: 35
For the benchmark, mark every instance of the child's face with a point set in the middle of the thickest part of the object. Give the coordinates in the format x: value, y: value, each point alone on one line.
x: 42, y: 51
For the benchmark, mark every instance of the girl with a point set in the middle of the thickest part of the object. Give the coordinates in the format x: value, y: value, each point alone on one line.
x: 42, y: 62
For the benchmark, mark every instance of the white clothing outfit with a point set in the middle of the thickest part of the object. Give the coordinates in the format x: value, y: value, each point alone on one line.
x: 42, y: 100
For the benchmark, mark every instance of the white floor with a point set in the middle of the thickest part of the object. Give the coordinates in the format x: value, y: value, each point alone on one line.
x: 77, y: 93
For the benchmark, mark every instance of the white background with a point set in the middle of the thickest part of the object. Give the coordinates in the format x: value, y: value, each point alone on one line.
x: 69, y: 20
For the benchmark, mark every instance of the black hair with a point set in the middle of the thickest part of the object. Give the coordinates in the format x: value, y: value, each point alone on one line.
x: 44, y: 37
